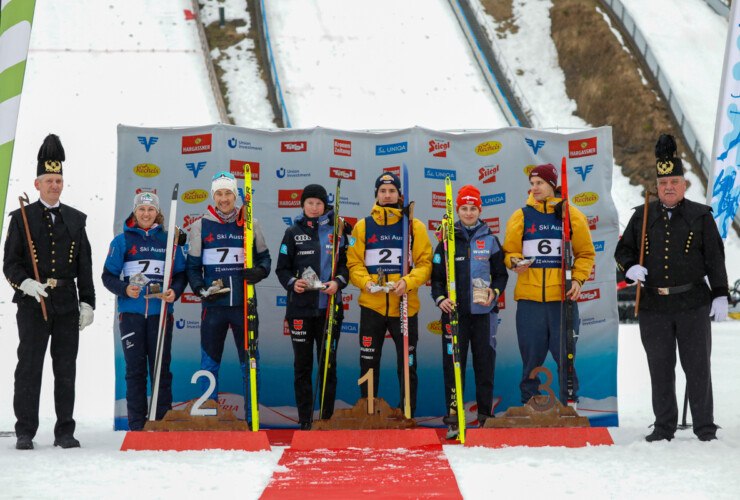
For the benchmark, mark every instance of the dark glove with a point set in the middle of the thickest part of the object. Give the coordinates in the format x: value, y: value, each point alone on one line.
x: 207, y: 298
x: 254, y: 275
x: 346, y: 228
x: 182, y: 237
x: 558, y: 209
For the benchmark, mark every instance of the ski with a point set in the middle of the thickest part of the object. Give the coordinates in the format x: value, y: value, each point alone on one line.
x: 250, y: 309
x: 406, y: 257
x: 449, y: 246
x: 169, y: 261
x: 567, y: 331
x: 331, y: 310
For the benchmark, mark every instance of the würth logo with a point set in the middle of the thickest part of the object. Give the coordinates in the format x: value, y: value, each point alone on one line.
x: 293, y: 147
x: 196, y: 144
x: 236, y: 167
x: 342, y: 173
x: 582, y: 147
x: 288, y: 198
x: 480, y: 244
x: 488, y: 174
x: 439, y: 148
x: 342, y: 148
x: 439, y: 200
x: 589, y: 295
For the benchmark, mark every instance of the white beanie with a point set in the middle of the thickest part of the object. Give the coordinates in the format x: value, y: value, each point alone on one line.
x: 224, y: 180
x: 146, y: 198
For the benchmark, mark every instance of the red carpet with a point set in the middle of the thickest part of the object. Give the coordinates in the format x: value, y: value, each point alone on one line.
x: 352, y: 464
x: 196, y: 440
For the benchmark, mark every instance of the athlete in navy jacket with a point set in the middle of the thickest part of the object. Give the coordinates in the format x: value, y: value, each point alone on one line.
x: 141, y: 249
x: 478, y: 254
x: 308, y: 243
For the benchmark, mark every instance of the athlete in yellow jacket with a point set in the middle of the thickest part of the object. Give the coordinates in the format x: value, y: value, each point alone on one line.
x: 377, y: 244
x: 534, y: 233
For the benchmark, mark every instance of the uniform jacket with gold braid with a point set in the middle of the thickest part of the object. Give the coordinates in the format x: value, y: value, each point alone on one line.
x: 679, y: 251
x: 62, y: 252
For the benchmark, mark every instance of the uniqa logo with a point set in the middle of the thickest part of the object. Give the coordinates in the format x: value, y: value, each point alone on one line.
x: 146, y: 170
x: 585, y: 199
x: 435, y: 327
x: 194, y: 196
x: 488, y: 148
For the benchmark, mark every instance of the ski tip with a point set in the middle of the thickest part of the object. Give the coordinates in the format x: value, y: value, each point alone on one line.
x: 562, y: 163
x: 175, y: 190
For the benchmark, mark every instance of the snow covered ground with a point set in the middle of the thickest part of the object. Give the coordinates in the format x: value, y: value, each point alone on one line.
x: 93, y: 65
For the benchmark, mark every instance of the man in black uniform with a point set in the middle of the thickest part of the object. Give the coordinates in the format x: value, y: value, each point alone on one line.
x: 62, y: 254
x: 682, y: 247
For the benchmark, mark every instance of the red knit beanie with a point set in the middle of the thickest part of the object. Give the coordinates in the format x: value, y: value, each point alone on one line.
x: 547, y: 173
x: 469, y: 195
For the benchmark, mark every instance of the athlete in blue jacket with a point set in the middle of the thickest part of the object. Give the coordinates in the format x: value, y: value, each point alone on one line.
x: 307, y: 243
x: 478, y: 254
x: 141, y: 249
x: 216, y: 252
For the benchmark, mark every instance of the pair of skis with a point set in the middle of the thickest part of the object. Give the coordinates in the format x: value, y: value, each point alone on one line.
x: 567, y: 327
x: 250, y: 307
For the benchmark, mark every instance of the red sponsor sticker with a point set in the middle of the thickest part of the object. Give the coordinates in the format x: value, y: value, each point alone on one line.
x: 439, y: 148
x: 196, y: 144
x: 342, y: 147
x: 439, y: 200
x: 394, y: 170
x: 367, y: 341
x: 487, y: 174
x: 480, y: 244
x: 298, y: 324
x: 342, y: 173
x: 189, y: 220
x: 147, y: 190
x: 582, y: 147
x: 592, y: 222
x: 293, y: 147
x: 589, y: 295
x: 493, y: 223
x: 236, y: 167
x: 434, y: 224
x: 346, y: 301
x: 501, y: 301
x: 189, y: 298
x: 289, y: 198
x: 286, y: 327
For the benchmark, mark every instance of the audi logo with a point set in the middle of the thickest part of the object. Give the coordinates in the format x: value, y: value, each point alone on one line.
x: 302, y: 237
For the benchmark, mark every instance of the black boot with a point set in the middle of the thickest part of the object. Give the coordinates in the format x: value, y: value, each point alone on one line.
x: 67, y: 441
x: 657, y: 435
x: 24, y: 443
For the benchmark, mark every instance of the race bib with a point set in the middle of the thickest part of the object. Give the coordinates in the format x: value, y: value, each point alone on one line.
x: 228, y: 255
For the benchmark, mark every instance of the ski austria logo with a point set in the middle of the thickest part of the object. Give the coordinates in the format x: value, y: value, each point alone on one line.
x: 394, y: 170
x: 488, y: 148
x: 435, y: 327
x: 589, y: 295
x: 195, y: 168
x: 289, y: 198
x: 493, y: 224
x: 585, y: 199
x: 195, y: 196
x: 196, y: 144
x: 146, y: 170
x: 439, y: 148
x: 438, y: 173
x: 583, y: 171
x: 293, y: 147
x: 342, y: 147
x: 147, y: 143
x: 488, y: 173
x: 494, y: 199
x: 535, y: 145
x: 439, y: 200
x: 391, y: 149
x: 342, y: 173
x: 582, y: 147
x: 236, y: 167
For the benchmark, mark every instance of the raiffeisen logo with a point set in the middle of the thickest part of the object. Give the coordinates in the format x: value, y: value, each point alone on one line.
x: 488, y: 173
x: 196, y: 144
x: 582, y: 147
x: 195, y: 196
x: 488, y: 148
x: 438, y: 173
x: 342, y: 173
x: 342, y: 147
x: 394, y: 170
x: 439, y: 200
x: 289, y: 198
x: 439, y: 148
x: 293, y: 147
x: 391, y: 149
x: 589, y: 295
x: 147, y: 142
x: 236, y: 167
x: 494, y: 199
x: 585, y: 199
x: 146, y: 170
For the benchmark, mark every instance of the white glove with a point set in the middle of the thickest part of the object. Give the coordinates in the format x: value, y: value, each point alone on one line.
x: 719, y: 309
x: 636, y: 273
x: 34, y: 289
x: 86, y: 315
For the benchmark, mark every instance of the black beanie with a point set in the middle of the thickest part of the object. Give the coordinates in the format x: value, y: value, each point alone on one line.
x: 315, y: 191
x: 387, y: 178
x: 50, y: 157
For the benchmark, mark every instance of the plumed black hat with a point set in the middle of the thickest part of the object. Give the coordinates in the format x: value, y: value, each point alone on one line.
x: 51, y: 156
x: 667, y: 164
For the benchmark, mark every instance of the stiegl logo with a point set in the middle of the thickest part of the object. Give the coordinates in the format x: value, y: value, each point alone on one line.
x: 439, y: 148
x: 488, y: 174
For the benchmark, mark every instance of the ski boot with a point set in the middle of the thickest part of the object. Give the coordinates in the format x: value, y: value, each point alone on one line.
x: 453, y: 428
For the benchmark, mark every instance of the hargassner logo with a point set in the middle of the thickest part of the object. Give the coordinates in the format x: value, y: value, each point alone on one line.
x: 236, y: 167
x: 438, y: 173
x: 582, y: 147
x: 196, y: 144
x: 535, y: 145
x: 391, y: 149
x: 147, y: 142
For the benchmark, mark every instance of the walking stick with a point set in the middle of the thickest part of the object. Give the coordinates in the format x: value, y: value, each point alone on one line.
x: 24, y: 199
x: 642, y: 248
x: 683, y: 424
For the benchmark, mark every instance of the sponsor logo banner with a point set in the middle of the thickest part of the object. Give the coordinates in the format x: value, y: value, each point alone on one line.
x: 582, y: 147
x: 439, y: 200
x: 435, y: 327
x: 439, y: 148
x: 234, y: 142
x: 195, y: 168
x: 195, y: 196
x: 438, y: 173
x: 146, y: 189
x: 147, y: 142
x: 589, y: 295
x: 293, y: 147
x: 501, y: 301
x: 290, y: 173
x: 488, y: 173
x: 342, y: 147
x: 592, y: 276
x: 583, y: 171
x: 289, y: 198
x: 493, y: 223
x: 488, y: 148
x: 342, y: 173
x: 433, y: 224
x: 599, y: 246
x: 350, y: 328
x: 189, y: 220
x: 391, y: 149
x: 535, y: 145
x: 592, y: 222
x: 146, y: 170
x: 192, y: 144
x: 236, y: 167
x: 281, y: 301
x: 493, y: 199
x: 189, y: 298
x: 394, y: 170
x: 585, y: 199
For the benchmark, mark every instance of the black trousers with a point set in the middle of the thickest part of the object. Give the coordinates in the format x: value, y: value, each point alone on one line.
x: 34, y: 334
x: 479, y: 332
x: 373, y: 326
x: 691, y: 330
x: 305, y: 333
